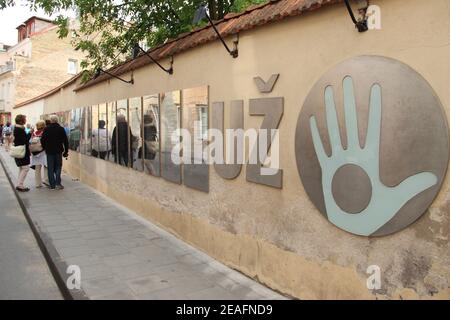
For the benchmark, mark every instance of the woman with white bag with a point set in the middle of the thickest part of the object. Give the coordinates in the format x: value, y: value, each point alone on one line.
x: 38, y: 156
x: 21, y: 156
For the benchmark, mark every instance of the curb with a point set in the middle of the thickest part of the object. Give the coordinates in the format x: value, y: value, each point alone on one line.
x: 56, y: 264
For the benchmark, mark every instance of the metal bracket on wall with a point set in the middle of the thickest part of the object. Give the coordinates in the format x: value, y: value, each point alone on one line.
x: 203, y: 12
x: 99, y: 71
x: 137, y: 51
x: 360, y: 24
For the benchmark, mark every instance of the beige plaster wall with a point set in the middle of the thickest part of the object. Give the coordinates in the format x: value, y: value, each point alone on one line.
x: 277, y: 236
x: 33, y: 111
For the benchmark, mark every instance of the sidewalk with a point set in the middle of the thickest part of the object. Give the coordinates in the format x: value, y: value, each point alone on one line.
x: 121, y: 255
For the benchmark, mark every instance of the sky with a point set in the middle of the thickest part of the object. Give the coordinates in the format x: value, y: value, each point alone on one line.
x: 12, y: 17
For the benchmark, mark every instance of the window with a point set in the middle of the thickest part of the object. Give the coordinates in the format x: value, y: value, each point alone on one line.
x: 72, y: 66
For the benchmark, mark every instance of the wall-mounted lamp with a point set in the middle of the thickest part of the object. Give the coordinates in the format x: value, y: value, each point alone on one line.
x: 98, y: 71
x: 200, y: 14
x: 361, y: 25
x: 137, y: 50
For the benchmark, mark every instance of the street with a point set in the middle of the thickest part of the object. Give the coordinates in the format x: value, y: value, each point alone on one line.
x: 24, y: 273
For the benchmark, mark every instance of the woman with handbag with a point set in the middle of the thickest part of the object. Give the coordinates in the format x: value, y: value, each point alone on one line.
x: 21, y: 141
x: 38, y: 156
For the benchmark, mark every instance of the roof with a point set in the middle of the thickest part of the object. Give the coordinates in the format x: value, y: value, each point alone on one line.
x: 254, y: 16
x: 34, y: 17
x: 50, y: 92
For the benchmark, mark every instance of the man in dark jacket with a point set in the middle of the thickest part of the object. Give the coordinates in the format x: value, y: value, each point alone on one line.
x: 56, y: 146
x: 121, y: 151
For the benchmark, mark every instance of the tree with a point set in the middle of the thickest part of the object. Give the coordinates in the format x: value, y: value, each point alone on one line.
x: 108, y: 29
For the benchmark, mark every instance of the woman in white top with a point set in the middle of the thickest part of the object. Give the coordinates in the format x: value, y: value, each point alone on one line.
x: 100, y: 141
x: 38, y: 156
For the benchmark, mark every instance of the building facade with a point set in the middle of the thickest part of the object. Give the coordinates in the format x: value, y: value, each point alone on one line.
x: 36, y: 64
x: 312, y: 227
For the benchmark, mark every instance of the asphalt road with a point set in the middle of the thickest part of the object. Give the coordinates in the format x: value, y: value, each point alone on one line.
x: 24, y: 273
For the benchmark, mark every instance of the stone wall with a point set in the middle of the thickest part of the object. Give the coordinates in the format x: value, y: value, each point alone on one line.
x: 47, y: 66
x: 278, y: 236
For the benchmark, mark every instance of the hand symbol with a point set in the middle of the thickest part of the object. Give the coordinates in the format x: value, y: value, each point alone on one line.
x: 385, y: 201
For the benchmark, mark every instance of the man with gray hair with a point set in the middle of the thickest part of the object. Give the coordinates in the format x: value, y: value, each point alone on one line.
x: 56, y: 145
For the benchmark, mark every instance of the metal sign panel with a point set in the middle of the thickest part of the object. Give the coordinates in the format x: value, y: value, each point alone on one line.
x: 372, y: 145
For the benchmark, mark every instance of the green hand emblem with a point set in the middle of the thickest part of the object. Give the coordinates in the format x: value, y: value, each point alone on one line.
x: 385, y: 201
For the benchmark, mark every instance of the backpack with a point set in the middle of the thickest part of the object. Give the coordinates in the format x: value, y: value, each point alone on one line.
x: 35, y: 145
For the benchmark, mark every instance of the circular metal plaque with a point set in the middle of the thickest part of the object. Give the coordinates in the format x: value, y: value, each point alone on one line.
x: 382, y: 117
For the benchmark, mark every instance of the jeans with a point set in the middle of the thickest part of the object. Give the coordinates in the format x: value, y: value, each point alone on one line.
x: 54, y: 166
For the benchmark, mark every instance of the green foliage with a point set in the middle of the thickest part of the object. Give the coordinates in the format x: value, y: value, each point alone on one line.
x: 241, y: 5
x: 108, y: 29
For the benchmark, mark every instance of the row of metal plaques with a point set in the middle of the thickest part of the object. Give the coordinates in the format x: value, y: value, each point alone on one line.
x: 137, y: 132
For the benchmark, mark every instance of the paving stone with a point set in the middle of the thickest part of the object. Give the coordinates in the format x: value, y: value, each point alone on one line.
x: 122, y: 234
x: 73, y: 251
x: 69, y: 242
x: 110, y: 222
x: 122, y: 260
x: 125, y: 294
x: 94, y: 271
x: 96, y: 234
x: 101, y: 242
x: 103, y: 286
x: 47, y: 218
x: 55, y: 222
x: 133, y: 271
x: 245, y: 293
x: 149, y: 251
x: 189, y: 259
x: 164, y: 294
x: 213, y: 293
x: 80, y: 223
x: 64, y: 235
x: 110, y: 250
x: 84, y: 260
x: 118, y: 228
x: 149, y: 234
x: 174, y: 270
x: 148, y: 284
x: 53, y: 229
x: 78, y: 217
x: 134, y: 242
x: 92, y: 227
x: 190, y: 284
x: 101, y: 217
